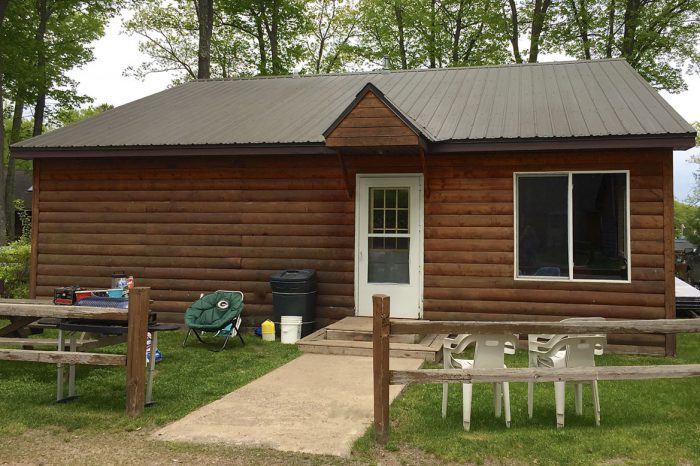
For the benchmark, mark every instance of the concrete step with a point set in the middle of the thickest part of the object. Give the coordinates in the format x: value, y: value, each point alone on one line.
x: 362, y: 335
x: 428, y: 348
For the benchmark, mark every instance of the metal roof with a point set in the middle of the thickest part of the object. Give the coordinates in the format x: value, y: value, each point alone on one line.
x: 478, y: 104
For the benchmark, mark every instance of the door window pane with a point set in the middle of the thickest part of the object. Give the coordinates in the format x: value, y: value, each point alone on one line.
x: 388, y: 260
x: 543, y: 226
x: 389, y: 213
x: 599, y: 226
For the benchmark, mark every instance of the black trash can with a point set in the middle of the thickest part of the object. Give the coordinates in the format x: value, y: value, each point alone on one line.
x: 294, y: 294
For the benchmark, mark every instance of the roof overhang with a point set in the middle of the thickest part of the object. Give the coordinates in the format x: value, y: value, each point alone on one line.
x: 671, y: 142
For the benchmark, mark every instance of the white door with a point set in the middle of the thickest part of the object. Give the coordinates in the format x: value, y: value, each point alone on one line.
x: 389, y: 243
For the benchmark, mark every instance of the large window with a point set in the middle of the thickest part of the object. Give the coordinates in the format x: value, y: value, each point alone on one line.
x: 572, y: 226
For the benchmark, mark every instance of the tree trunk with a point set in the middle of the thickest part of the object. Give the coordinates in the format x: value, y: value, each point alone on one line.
x: 3, y: 224
x: 39, y: 109
x: 538, y: 17
x: 582, y: 25
x: 433, y: 46
x: 514, y: 31
x: 262, y: 49
x: 630, y: 30
x: 3, y: 9
x: 205, y: 18
x: 611, y: 30
x: 274, y: 39
x: 457, y: 36
x: 10, y: 177
x: 398, y: 12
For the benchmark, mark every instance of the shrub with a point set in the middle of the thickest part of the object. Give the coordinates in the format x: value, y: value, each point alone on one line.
x: 14, y: 268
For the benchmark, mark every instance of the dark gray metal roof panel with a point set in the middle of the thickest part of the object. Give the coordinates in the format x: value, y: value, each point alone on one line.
x: 507, y: 102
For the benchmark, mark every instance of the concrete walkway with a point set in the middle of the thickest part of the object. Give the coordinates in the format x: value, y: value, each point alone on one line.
x: 314, y: 404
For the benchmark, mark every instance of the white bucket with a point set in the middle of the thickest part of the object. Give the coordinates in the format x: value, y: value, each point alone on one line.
x: 290, y: 329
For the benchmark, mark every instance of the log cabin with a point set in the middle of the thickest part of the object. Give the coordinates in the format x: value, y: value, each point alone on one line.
x: 523, y: 192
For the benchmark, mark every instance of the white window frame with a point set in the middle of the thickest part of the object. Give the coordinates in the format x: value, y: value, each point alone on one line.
x: 570, y: 225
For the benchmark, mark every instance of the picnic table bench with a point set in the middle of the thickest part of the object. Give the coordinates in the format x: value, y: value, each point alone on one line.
x: 22, y: 313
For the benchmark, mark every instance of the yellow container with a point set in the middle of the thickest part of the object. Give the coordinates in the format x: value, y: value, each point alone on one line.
x: 268, y: 330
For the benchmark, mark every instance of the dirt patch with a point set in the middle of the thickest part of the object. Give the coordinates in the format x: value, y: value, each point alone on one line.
x: 58, y: 447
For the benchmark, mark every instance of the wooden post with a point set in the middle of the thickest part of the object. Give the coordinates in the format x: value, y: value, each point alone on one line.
x: 380, y: 355
x: 136, y: 350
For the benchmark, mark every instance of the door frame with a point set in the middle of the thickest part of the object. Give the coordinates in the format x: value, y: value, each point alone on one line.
x: 420, y: 236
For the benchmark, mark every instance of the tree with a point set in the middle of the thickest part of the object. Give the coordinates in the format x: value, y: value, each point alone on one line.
x: 3, y: 227
x: 277, y: 27
x: 335, y: 25
x: 41, y: 41
x: 686, y: 221
x: 170, y: 38
x: 389, y: 29
x: 658, y: 38
x: 694, y: 196
x: 69, y: 115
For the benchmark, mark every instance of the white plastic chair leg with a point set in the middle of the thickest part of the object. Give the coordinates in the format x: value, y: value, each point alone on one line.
x: 497, y: 396
x: 466, y: 405
x: 578, y: 391
x: 559, y: 392
x: 444, y: 399
x: 596, y: 402
x: 506, y: 402
x: 530, y: 398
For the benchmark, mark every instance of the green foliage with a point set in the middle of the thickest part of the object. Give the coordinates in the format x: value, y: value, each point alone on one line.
x: 170, y: 39
x: 696, y: 124
x: 686, y: 221
x: 67, y: 115
x: 14, y: 267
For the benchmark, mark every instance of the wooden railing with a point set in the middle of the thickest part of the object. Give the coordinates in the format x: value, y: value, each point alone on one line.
x: 26, y: 311
x: 383, y: 328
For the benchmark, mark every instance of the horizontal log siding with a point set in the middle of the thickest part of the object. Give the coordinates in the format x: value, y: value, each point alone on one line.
x: 183, y: 226
x: 188, y: 225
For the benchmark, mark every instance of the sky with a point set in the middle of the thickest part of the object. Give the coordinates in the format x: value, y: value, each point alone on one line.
x: 103, y: 80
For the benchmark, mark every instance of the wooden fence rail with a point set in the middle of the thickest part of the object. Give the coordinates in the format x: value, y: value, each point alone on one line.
x: 383, y: 328
x: 27, y: 311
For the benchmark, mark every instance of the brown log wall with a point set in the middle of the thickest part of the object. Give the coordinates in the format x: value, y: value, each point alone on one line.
x: 187, y: 225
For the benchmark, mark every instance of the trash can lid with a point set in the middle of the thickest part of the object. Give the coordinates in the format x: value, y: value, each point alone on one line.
x: 294, y: 276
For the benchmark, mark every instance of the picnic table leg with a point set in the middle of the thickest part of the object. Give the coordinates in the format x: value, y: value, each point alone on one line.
x: 136, y: 350
x: 151, y: 368
x: 59, y: 368
x: 71, y: 368
x: 380, y: 338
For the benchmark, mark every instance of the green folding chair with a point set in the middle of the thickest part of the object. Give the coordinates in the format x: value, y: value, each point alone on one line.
x: 218, y: 312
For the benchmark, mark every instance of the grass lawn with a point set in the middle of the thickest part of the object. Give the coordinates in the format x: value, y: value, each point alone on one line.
x: 642, y: 422
x: 186, y: 379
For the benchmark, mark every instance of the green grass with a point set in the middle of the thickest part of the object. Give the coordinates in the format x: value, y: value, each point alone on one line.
x: 186, y: 379
x: 642, y: 422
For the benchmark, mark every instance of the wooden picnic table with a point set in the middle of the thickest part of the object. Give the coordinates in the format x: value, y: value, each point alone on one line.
x: 22, y: 313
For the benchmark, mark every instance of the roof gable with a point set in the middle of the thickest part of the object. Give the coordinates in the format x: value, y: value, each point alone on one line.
x: 371, y: 120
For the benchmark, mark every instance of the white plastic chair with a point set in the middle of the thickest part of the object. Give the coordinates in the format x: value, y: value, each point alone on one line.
x: 558, y: 351
x: 489, y: 352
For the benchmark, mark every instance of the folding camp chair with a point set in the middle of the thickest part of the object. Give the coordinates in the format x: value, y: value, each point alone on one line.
x: 218, y: 312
